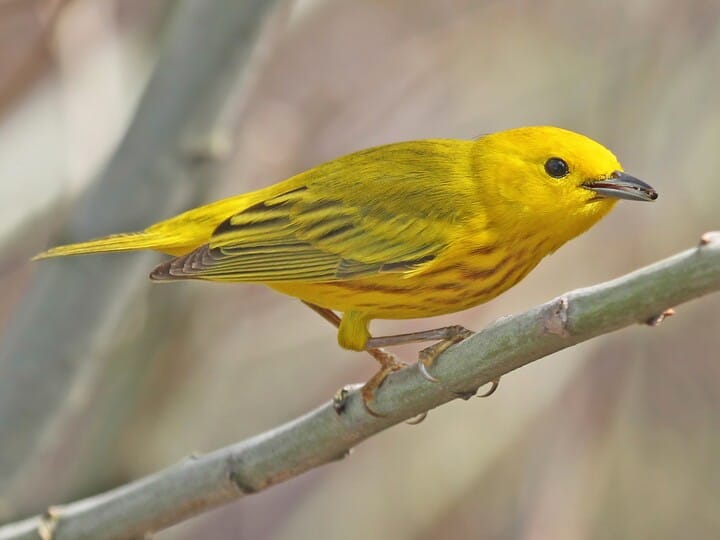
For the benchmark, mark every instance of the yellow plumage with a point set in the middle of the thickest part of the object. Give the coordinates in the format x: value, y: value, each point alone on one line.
x: 407, y: 230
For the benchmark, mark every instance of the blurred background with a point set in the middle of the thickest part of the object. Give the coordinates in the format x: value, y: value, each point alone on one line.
x: 105, y: 378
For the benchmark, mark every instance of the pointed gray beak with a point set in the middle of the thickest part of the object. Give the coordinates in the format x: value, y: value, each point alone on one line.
x: 622, y: 186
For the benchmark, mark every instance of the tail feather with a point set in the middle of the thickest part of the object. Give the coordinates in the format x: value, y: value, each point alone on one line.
x: 117, y: 242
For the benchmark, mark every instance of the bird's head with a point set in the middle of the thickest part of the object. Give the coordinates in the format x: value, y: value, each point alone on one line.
x: 561, y: 179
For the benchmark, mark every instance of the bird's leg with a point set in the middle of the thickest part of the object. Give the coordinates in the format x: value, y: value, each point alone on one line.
x: 328, y: 314
x: 455, y: 334
x: 445, y: 337
x: 427, y: 356
x: 388, y: 364
x: 387, y: 360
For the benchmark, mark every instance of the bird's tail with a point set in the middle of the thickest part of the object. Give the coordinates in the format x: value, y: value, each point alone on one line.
x: 118, y: 242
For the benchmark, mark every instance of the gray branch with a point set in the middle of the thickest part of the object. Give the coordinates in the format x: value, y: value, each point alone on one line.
x: 322, y: 436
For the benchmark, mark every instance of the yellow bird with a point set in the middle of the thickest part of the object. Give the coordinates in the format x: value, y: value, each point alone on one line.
x: 407, y: 230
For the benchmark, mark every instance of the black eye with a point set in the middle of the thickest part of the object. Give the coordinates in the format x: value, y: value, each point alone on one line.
x: 556, y: 167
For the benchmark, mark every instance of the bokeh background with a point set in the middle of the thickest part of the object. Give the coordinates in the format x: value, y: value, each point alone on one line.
x: 615, y: 438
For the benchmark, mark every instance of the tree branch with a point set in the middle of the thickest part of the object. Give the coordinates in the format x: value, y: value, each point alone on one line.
x: 321, y: 436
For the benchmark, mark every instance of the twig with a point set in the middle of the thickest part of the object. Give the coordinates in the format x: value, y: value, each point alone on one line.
x: 322, y: 436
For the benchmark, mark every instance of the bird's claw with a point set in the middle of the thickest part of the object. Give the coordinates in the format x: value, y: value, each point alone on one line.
x: 422, y: 367
x: 473, y: 393
x: 417, y: 420
x: 427, y: 356
x: 369, y: 409
x: 493, y: 386
x: 390, y: 364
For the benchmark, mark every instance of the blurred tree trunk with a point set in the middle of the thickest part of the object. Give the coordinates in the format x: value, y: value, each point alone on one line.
x: 58, y: 346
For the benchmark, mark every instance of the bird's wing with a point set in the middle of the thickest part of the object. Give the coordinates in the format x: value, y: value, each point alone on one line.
x: 385, y: 209
x: 302, y: 235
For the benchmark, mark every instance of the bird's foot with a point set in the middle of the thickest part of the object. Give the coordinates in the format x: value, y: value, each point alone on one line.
x: 427, y: 356
x: 389, y: 364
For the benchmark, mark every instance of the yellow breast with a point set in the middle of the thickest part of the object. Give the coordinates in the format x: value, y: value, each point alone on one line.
x: 459, y: 279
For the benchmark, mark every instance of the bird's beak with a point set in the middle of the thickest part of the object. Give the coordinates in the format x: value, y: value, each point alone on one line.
x: 622, y: 186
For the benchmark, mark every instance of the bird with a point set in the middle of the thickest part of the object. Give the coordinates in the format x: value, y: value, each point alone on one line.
x: 400, y: 231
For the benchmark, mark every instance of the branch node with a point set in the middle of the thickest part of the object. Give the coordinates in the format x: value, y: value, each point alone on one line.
x: 660, y: 317
x: 340, y: 399
x: 709, y: 237
x: 48, y: 523
x: 556, y: 321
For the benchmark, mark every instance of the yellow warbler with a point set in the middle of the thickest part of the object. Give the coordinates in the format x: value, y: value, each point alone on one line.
x: 406, y: 230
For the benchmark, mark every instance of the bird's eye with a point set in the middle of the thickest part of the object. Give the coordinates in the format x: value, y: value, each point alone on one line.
x: 556, y: 167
